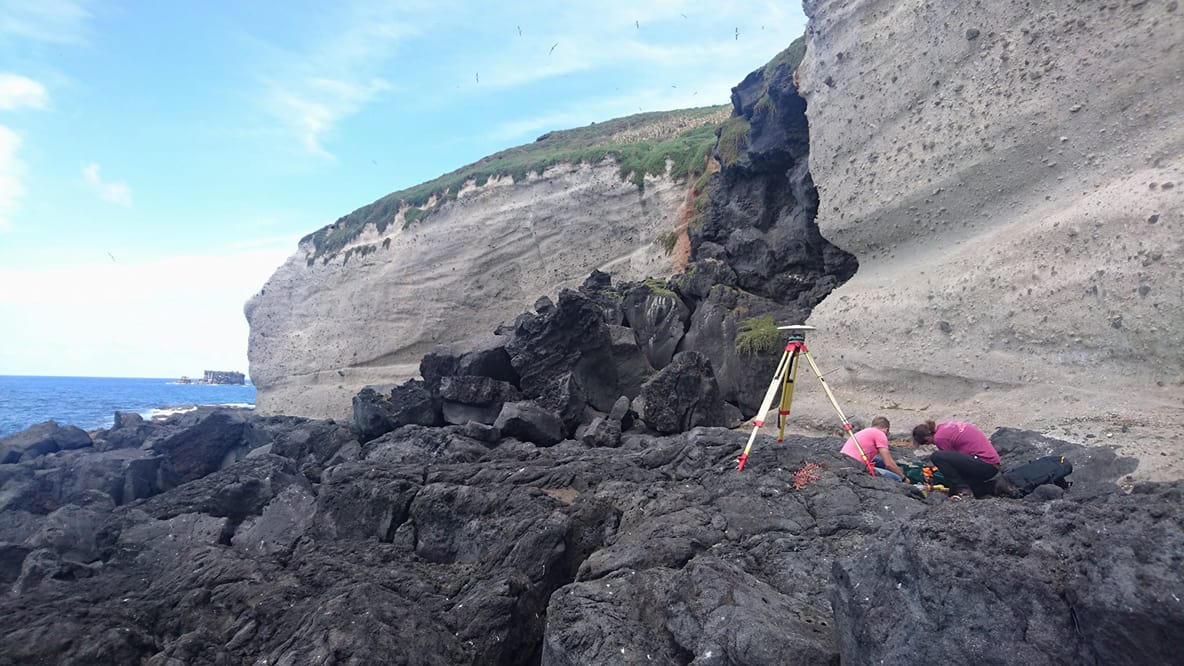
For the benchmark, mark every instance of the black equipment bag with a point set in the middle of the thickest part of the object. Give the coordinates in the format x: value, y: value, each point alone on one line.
x: 1049, y: 469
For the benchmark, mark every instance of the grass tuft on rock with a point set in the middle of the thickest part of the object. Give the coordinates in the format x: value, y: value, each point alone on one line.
x: 757, y: 335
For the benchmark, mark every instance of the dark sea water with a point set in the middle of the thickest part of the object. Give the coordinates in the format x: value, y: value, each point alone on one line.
x: 91, y: 402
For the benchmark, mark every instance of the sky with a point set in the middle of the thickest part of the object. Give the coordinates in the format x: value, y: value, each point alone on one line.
x: 159, y: 160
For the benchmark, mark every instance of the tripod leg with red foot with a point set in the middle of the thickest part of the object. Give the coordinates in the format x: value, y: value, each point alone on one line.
x: 847, y: 427
x: 766, y: 403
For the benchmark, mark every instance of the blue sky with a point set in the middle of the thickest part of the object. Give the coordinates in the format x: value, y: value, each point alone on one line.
x: 158, y: 160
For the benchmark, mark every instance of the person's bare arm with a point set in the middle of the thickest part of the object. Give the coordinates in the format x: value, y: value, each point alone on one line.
x: 891, y: 465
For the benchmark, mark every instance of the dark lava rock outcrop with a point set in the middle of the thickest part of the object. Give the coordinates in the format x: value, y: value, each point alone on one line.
x: 454, y: 545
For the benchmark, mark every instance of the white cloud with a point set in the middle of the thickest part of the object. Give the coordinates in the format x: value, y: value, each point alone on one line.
x: 162, y: 318
x: 310, y: 92
x: 314, y: 107
x: 51, y: 21
x: 117, y: 193
x: 18, y: 92
x: 11, y: 175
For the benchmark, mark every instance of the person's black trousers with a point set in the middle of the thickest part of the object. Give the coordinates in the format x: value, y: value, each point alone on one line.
x: 964, y: 471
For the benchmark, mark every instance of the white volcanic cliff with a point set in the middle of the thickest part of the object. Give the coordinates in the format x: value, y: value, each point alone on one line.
x: 1010, y: 177
x: 322, y: 330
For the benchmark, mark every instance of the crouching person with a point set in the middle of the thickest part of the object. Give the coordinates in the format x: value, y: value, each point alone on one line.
x: 965, y: 458
x: 873, y: 446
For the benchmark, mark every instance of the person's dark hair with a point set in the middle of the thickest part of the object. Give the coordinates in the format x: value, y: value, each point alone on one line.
x: 923, y: 432
x: 880, y: 422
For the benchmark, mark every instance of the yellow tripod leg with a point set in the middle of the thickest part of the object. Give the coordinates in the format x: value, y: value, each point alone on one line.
x: 787, y: 396
x: 842, y: 417
x: 766, y: 403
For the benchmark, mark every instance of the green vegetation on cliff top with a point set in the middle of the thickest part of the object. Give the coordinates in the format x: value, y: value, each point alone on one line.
x: 641, y: 145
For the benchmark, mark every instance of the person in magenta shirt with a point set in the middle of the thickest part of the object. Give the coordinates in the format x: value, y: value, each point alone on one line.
x: 964, y: 456
x: 874, y: 442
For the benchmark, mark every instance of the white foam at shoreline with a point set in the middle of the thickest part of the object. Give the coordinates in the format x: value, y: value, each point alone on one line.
x: 162, y: 413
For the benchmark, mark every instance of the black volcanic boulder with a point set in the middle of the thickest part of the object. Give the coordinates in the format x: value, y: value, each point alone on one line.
x: 128, y: 431
x: 467, y: 398
x: 487, y: 357
x: 683, y: 395
x: 410, y: 402
x: 414, y: 444
x: 571, y: 339
x: 300, y: 439
x: 633, y: 368
x: 208, y: 445
x: 43, y: 438
x: 598, y: 287
x: 364, y: 500
x: 42, y: 485
x: 440, y: 362
x: 236, y: 492
x: 529, y: 422
x: 658, y: 318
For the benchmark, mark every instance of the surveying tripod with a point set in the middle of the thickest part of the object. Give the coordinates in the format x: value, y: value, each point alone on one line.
x: 787, y: 371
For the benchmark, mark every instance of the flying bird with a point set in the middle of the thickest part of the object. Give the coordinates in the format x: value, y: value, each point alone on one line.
x: 638, y: 24
x: 112, y: 258
x: 737, y: 34
x: 478, y: 77
x: 552, y: 48
x: 519, y: 31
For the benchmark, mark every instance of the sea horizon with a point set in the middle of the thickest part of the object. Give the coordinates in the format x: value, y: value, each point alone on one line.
x: 91, y: 402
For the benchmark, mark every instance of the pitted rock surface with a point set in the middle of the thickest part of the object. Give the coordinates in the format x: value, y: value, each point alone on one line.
x: 426, y: 546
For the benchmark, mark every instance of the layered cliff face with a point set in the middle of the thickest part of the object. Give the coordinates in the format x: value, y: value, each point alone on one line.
x: 325, y: 326
x: 1009, y: 176
x: 366, y: 298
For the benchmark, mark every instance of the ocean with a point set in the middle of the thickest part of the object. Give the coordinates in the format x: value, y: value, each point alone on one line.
x: 91, y: 402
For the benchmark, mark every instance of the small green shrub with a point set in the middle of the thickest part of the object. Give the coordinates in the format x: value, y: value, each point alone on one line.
x: 659, y: 286
x: 733, y: 139
x: 766, y: 106
x: 413, y: 215
x: 613, y: 294
x: 361, y: 251
x: 668, y: 239
x: 757, y: 336
x: 791, y: 57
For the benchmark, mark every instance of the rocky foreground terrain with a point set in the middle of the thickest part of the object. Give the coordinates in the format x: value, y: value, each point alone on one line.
x: 516, y: 507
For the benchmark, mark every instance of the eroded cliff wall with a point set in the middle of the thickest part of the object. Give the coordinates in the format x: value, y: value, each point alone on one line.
x: 1009, y: 176
x: 324, y: 327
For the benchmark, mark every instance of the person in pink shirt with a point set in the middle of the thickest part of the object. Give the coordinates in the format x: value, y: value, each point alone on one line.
x: 874, y: 442
x: 964, y: 456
